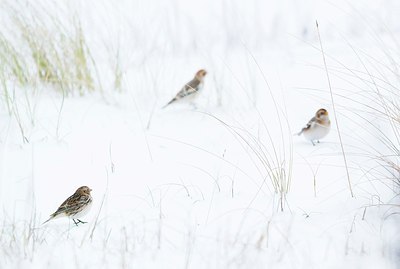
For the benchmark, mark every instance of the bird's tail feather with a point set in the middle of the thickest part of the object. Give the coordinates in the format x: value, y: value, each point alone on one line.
x: 51, y: 217
x: 170, y: 102
x: 299, y: 133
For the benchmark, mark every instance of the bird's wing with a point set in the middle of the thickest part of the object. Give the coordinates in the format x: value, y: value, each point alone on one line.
x: 72, y: 204
x: 308, y: 125
x: 189, y: 88
x: 62, y: 208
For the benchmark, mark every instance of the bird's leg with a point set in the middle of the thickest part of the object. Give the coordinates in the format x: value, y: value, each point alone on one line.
x: 77, y: 221
x: 312, y: 142
x: 318, y: 141
x: 83, y: 222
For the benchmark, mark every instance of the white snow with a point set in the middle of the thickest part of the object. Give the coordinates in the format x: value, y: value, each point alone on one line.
x: 192, y: 188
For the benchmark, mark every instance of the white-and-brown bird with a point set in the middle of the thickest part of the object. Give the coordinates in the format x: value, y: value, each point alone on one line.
x: 318, y: 127
x: 191, y: 89
x: 76, y: 206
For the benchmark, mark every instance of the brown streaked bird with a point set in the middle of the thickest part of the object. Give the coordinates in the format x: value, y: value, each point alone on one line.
x: 76, y: 206
x: 318, y: 127
x: 191, y: 89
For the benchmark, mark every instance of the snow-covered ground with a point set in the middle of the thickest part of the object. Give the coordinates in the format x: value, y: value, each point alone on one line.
x: 223, y: 185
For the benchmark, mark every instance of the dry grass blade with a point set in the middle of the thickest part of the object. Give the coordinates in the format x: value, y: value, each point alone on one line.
x: 334, y: 112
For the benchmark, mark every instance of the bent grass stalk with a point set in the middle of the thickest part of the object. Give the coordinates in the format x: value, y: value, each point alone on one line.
x: 334, y: 112
x: 279, y: 172
x: 100, y: 209
x: 277, y: 162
